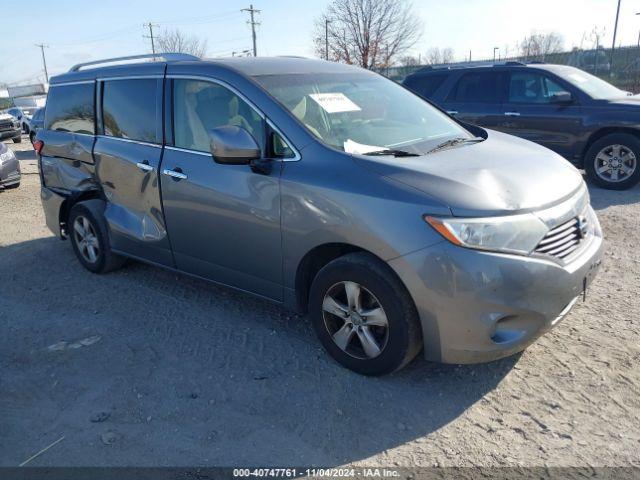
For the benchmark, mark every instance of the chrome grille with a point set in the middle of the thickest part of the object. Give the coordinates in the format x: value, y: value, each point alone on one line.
x: 6, y: 125
x: 564, y: 239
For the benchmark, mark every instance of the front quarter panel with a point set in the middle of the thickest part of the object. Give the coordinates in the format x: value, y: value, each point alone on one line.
x: 328, y: 198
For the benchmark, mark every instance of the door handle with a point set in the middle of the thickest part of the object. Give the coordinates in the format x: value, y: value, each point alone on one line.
x: 452, y: 112
x: 175, y: 174
x: 512, y: 114
x: 144, y: 166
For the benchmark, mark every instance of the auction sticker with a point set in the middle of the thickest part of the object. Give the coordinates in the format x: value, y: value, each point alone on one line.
x: 334, y: 102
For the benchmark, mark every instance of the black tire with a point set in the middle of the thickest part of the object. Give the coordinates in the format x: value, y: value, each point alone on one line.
x: 591, y: 163
x: 26, y: 129
x: 17, y: 140
x: 105, y: 259
x: 403, y: 336
x: 10, y: 187
x: 32, y: 137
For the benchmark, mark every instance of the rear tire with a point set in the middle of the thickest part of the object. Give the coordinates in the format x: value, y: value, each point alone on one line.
x: 353, y: 333
x: 17, y: 140
x: 613, y: 162
x: 88, y: 232
x: 32, y: 137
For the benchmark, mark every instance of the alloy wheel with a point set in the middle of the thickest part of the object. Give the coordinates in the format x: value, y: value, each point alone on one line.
x: 615, y: 163
x: 86, y: 239
x: 356, y: 320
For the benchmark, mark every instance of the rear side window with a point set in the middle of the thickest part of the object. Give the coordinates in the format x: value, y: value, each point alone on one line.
x: 130, y: 109
x: 70, y: 108
x: 426, y: 85
x: 478, y: 87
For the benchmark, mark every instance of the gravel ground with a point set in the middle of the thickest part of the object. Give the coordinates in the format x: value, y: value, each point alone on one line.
x: 146, y: 367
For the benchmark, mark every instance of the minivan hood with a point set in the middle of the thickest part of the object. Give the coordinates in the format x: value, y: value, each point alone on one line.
x: 501, y: 175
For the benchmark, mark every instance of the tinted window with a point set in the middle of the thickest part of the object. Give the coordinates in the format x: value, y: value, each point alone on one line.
x: 480, y: 87
x: 200, y: 106
x: 39, y: 115
x: 130, y: 109
x: 532, y: 87
x: 70, y: 108
x: 426, y: 85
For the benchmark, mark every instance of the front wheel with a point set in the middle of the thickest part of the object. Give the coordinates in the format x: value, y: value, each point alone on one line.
x: 364, y: 316
x: 87, y: 230
x: 612, y: 162
x: 17, y: 139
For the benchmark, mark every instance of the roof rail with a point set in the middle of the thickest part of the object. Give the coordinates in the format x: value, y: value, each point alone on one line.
x: 512, y: 63
x: 165, y: 56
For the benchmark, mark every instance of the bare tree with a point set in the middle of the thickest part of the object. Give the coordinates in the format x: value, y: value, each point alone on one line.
x: 538, y: 45
x: 409, y: 61
x: 435, y: 56
x: 368, y: 33
x: 176, y: 41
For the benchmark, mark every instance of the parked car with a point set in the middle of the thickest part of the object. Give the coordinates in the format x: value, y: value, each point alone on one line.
x: 36, y: 123
x: 325, y: 188
x: 9, y: 168
x: 591, y: 123
x: 23, y: 115
x: 10, y: 128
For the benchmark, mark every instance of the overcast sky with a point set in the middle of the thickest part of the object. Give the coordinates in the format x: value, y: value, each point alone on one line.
x: 79, y: 30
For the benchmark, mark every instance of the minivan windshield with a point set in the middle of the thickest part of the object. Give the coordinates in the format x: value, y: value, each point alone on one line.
x: 363, y: 112
x: 593, y: 86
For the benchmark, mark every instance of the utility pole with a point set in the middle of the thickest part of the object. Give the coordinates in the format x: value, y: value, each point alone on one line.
x: 150, y: 36
x: 615, y: 32
x: 253, y: 24
x: 495, y: 49
x: 42, y: 46
x: 326, y: 38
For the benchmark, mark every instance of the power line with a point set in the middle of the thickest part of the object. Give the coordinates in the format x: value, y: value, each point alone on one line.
x: 42, y: 46
x: 151, y: 25
x: 253, y: 24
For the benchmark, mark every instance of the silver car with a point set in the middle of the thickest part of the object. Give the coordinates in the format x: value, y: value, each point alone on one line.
x: 9, y: 168
x: 327, y: 189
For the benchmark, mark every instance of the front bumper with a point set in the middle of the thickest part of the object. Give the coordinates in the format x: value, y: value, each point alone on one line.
x: 10, y: 173
x: 479, y: 306
x: 10, y: 134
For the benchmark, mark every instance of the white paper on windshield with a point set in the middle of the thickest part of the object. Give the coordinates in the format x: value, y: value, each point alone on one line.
x: 334, y: 102
x: 354, y: 147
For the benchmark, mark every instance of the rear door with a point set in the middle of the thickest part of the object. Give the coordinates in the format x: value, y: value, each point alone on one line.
x: 127, y: 152
x: 477, y: 97
x: 530, y: 113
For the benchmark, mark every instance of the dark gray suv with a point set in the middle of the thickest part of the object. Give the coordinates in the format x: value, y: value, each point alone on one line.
x: 325, y: 188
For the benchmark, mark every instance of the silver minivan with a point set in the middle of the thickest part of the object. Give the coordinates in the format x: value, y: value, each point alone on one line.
x: 326, y: 188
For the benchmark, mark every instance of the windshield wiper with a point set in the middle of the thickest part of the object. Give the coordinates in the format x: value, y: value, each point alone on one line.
x: 393, y: 152
x: 455, y: 142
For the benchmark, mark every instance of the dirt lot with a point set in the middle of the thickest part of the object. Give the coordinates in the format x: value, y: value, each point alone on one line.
x: 146, y: 367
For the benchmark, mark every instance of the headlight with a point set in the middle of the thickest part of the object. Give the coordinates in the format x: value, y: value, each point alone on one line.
x: 512, y: 233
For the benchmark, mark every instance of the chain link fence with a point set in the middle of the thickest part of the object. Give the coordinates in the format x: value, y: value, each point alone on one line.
x: 623, y: 70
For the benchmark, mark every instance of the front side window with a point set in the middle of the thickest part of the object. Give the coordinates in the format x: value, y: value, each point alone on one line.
x: 130, y: 109
x: 70, y: 108
x: 532, y: 88
x: 361, y: 112
x: 478, y: 87
x: 200, y: 106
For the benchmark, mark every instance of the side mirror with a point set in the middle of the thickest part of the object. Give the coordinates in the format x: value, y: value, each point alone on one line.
x: 232, y: 145
x: 562, y: 98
